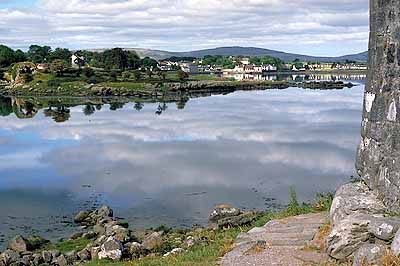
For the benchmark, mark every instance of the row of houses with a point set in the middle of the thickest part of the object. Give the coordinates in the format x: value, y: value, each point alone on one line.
x: 325, y: 66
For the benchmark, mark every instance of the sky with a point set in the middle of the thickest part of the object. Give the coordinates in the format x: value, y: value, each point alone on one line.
x: 312, y: 27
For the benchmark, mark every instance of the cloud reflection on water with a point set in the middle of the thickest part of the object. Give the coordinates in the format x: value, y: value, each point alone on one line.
x: 171, y: 169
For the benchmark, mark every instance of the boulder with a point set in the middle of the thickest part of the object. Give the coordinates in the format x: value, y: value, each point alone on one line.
x: 111, y: 249
x: 19, y: 244
x: 84, y: 255
x: 81, y: 216
x: 153, y: 241
x: 348, y: 235
x: 61, y: 261
x: 9, y: 256
x: 369, y: 254
x: 235, y: 221
x: 120, y: 233
x: 47, y: 256
x: 355, y: 198
x: 395, y: 247
x: 136, y: 249
x: 222, y: 211
x: 105, y: 211
x: 71, y: 257
x: 94, y: 252
x: 173, y: 252
x: 37, y: 242
x: 37, y: 259
x: 384, y: 228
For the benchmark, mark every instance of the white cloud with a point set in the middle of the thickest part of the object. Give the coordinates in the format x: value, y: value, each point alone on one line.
x: 334, y: 27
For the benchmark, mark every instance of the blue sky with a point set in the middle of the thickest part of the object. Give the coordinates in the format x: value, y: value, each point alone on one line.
x: 16, y: 4
x: 314, y: 27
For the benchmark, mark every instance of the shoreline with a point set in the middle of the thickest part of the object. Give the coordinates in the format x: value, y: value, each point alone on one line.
x: 161, y: 90
x: 103, y: 239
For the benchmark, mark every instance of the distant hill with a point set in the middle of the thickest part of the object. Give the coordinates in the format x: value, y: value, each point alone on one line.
x: 246, y: 51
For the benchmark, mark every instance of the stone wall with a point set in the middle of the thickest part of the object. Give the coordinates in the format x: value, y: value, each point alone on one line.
x: 378, y: 159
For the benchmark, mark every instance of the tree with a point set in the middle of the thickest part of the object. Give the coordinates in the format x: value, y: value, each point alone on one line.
x: 115, y: 58
x: 39, y: 54
x: 7, y: 56
x: 149, y: 63
x: 88, y: 72
x: 58, y: 67
x: 20, y: 56
x: 137, y: 74
x: 88, y: 110
x: 61, y: 54
x: 182, y: 75
x: 138, y: 106
x: 133, y: 60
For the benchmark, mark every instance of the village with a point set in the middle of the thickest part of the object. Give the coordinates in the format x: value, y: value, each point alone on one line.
x: 244, y: 65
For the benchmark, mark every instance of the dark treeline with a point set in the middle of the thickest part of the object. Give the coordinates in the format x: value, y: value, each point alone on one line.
x: 115, y: 58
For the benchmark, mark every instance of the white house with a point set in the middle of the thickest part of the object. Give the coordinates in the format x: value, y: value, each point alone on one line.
x: 189, y: 67
x: 77, y: 61
x: 245, y: 61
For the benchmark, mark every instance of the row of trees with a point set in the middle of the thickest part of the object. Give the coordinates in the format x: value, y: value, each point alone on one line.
x: 36, y: 54
x: 116, y: 58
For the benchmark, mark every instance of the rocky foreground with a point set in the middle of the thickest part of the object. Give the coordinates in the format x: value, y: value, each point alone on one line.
x: 362, y: 227
x: 111, y: 239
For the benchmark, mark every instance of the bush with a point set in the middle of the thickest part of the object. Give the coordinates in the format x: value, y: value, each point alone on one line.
x: 94, y: 80
x: 88, y: 72
x: 53, y: 83
x: 182, y: 75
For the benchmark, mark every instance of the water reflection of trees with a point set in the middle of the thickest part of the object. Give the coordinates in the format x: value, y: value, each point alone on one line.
x: 59, y: 114
x: 58, y: 111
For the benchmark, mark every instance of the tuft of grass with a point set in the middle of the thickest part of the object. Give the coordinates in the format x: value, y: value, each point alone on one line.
x: 69, y: 245
x: 323, y: 201
x: 389, y: 259
x: 127, y: 85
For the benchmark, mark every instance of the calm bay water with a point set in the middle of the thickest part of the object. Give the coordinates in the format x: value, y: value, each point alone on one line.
x: 167, y: 165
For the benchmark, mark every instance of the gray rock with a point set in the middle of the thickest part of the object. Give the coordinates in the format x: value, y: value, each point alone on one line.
x: 111, y: 249
x: 120, y: 233
x: 348, y: 235
x: 19, y: 244
x: 395, y: 247
x: 37, y: 259
x: 76, y: 235
x: 81, y: 216
x: 369, y: 254
x: 99, y: 229
x: 90, y: 235
x: 105, y: 211
x: 153, y: 241
x: 235, y: 221
x: 71, y: 257
x: 47, y: 256
x: 9, y: 256
x: 384, y: 228
x: 84, y: 255
x: 136, y: 249
x: 62, y: 261
x: 222, y: 211
x: 94, y: 252
x: 355, y: 198
x: 175, y: 251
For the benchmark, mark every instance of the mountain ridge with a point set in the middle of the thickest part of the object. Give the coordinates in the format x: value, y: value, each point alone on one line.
x: 246, y: 51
